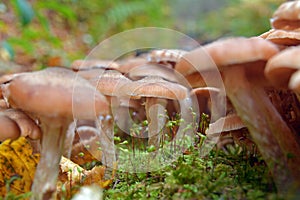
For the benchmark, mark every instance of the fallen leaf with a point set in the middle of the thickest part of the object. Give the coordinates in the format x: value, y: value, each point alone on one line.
x: 78, y: 176
x: 17, y: 165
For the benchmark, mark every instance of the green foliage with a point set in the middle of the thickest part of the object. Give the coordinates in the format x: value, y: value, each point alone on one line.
x: 239, y: 18
x: 69, y: 29
x: 25, y: 11
x: 7, y: 48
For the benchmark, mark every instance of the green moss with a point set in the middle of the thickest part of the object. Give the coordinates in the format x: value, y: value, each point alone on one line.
x: 216, y: 176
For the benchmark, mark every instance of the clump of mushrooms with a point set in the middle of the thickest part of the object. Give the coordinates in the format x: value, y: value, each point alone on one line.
x: 48, y: 96
x: 241, y: 62
x: 285, y: 25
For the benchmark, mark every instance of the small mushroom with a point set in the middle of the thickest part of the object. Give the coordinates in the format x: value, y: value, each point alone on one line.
x: 204, y: 74
x: 232, y: 126
x: 283, y: 38
x: 108, y: 84
x: 286, y: 16
x: 206, y: 96
x: 9, y: 129
x: 53, y: 96
x: 171, y: 56
x: 156, y: 91
x: 281, y: 66
x: 153, y: 69
x: 86, y: 148
x: 27, y: 125
x: 224, y: 124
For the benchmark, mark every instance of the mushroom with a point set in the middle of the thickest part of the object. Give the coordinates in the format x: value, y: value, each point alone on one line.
x: 81, y: 65
x: 224, y: 124
x: 53, y: 96
x: 206, y: 96
x: 242, y: 61
x: 6, y: 78
x: 278, y: 71
x: 9, y: 129
x: 27, y: 125
x: 86, y: 148
x: 280, y: 67
x: 165, y: 56
x: 108, y: 84
x: 153, y: 69
x: 156, y: 91
x: 126, y: 65
x: 208, y: 76
x: 229, y: 125
x: 283, y: 38
x: 91, y: 74
x: 245, y: 89
x: 287, y: 16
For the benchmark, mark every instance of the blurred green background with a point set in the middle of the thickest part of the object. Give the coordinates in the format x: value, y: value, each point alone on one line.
x: 36, y: 34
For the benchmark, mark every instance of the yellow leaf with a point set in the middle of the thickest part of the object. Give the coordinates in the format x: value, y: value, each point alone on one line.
x: 17, y: 160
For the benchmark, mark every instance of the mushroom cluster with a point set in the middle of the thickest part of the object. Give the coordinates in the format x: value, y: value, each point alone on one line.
x: 260, y: 75
x: 249, y: 84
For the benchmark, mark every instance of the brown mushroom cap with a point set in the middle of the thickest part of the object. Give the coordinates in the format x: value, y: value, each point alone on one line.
x: 242, y: 50
x: 205, y: 95
x: 283, y: 37
x: 9, y: 129
x: 204, y: 79
x: 6, y: 78
x: 55, y: 92
x: 79, y: 65
x: 280, y: 67
x: 166, y: 55
x: 266, y: 34
x: 154, y: 87
x: 189, y: 62
x: 92, y: 73
x: 224, y: 124
x: 27, y: 126
x: 287, y: 15
x: 288, y: 10
x: 109, y: 82
x: 205, y: 91
x: 126, y: 65
x: 153, y: 70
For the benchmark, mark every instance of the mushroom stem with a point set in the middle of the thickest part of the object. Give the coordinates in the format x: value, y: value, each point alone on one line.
x: 271, y: 134
x: 69, y: 140
x: 44, y: 184
x: 106, y: 128
x: 155, y: 111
